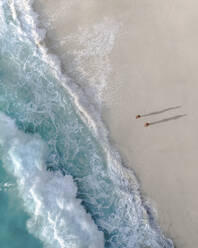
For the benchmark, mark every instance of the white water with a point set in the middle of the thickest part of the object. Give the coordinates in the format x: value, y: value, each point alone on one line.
x: 57, y: 216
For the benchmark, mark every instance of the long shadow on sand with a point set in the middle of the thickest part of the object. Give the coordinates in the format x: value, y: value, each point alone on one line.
x: 160, y: 111
x: 167, y: 119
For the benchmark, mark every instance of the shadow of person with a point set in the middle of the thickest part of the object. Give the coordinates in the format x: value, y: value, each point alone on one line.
x: 164, y: 120
x: 158, y: 112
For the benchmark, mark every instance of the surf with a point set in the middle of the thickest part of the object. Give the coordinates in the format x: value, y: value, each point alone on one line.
x: 70, y: 179
x: 57, y: 216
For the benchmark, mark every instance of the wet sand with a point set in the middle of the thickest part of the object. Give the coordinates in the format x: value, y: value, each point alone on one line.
x: 150, y: 66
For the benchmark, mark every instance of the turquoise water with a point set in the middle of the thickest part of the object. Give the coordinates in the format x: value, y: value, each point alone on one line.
x: 13, y: 232
x: 70, y: 190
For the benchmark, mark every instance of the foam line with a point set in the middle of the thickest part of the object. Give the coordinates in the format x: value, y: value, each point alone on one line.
x: 34, y: 97
x: 57, y: 216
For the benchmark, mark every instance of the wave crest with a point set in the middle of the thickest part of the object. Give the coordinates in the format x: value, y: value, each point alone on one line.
x: 57, y: 216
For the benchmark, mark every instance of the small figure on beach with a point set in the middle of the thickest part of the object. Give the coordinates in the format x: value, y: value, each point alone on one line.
x: 146, y: 124
x: 160, y: 112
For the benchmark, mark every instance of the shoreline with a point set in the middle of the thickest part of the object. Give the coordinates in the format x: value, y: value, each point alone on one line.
x: 49, y: 43
x: 152, y: 77
x: 159, y: 73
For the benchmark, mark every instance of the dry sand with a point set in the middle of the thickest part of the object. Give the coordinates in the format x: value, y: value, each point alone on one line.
x: 154, y: 63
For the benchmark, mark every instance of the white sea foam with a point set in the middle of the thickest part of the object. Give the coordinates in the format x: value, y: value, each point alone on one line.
x: 37, y: 197
x: 6, y: 186
x: 101, y: 39
x: 89, y: 53
x: 57, y: 216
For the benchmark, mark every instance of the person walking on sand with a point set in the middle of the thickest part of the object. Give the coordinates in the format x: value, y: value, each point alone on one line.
x: 138, y: 116
x: 146, y: 124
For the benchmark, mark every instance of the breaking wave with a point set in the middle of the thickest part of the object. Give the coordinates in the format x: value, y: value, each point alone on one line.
x: 57, y: 216
x: 71, y: 181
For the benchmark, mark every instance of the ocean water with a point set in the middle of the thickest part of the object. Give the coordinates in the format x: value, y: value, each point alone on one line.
x: 62, y: 184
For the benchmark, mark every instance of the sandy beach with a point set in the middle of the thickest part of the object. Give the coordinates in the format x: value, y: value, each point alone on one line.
x: 140, y: 57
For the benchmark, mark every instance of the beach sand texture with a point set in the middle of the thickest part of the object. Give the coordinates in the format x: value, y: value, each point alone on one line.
x: 149, y: 65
